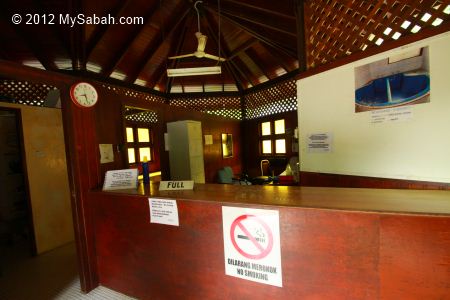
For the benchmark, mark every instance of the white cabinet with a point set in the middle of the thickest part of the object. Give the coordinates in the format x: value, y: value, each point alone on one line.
x: 186, y: 151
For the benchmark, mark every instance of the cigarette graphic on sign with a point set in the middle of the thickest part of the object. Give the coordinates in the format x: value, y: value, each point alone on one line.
x: 253, y: 230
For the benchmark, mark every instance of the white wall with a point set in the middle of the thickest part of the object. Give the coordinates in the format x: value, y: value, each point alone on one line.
x: 417, y: 149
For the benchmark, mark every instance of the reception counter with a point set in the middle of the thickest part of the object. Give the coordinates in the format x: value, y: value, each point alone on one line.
x: 335, y: 243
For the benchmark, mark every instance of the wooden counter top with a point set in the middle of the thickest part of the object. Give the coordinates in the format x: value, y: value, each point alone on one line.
x: 350, y: 199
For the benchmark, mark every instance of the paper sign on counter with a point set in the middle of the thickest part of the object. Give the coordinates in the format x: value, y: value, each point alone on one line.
x: 163, y: 211
x: 121, y: 179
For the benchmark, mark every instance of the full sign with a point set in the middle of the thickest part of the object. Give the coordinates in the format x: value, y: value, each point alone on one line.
x: 252, y: 244
x: 176, y: 185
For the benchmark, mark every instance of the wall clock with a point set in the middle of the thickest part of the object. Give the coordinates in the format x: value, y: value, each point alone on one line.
x: 83, y: 94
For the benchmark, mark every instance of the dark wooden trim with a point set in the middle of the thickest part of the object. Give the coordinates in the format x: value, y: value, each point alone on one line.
x: 339, y: 180
x: 301, y: 40
x: 267, y: 84
x: 426, y: 33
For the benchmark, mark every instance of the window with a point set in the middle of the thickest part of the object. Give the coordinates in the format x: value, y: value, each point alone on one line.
x: 139, y: 143
x: 272, y: 137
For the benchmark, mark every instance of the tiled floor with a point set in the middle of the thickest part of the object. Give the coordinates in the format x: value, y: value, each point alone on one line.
x: 52, y: 275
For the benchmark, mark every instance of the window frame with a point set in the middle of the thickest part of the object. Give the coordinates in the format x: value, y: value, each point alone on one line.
x: 272, y: 137
x: 136, y: 144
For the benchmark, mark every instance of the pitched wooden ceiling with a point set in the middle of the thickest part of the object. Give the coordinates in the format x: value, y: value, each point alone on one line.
x: 260, y: 39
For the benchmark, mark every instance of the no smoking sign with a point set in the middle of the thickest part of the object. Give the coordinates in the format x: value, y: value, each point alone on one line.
x: 252, y: 244
x: 251, y: 237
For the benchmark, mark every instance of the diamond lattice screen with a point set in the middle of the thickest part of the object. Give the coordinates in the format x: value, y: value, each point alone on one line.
x: 135, y: 94
x: 23, y: 92
x: 272, y: 100
x: 336, y: 28
x: 141, y: 117
x: 229, y: 107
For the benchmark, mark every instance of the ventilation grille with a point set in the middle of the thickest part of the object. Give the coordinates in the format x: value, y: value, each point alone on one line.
x: 229, y: 107
x: 272, y: 100
x: 23, y: 92
x: 135, y: 94
x: 147, y: 116
x: 337, y: 28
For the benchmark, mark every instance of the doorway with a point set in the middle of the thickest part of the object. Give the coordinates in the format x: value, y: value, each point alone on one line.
x: 16, y: 229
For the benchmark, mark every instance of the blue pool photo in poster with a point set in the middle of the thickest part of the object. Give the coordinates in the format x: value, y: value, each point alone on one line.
x: 399, y: 80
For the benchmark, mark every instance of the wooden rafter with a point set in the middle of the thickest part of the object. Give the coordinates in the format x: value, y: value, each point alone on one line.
x: 301, y: 42
x: 156, y: 44
x: 101, y: 29
x: 282, y: 27
x: 132, y: 37
x: 255, y: 5
x: 242, y: 47
x: 256, y: 34
x: 224, y: 51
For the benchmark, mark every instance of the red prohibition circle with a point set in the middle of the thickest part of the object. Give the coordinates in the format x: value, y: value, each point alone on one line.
x: 263, y: 251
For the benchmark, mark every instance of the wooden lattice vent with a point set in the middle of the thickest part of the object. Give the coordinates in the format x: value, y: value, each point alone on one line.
x: 24, y: 92
x: 140, y: 116
x: 337, y: 28
x: 276, y: 99
x: 135, y: 94
x: 225, y: 106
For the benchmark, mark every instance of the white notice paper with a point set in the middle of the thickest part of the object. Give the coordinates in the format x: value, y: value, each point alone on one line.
x: 106, y: 153
x: 121, y: 179
x: 163, y: 211
x: 320, y: 142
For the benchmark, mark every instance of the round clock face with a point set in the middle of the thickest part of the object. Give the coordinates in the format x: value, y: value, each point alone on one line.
x: 84, y: 94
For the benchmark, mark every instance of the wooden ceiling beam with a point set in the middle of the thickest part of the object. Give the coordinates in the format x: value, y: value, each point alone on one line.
x: 260, y: 21
x: 256, y: 5
x: 101, y: 29
x: 258, y: 61
x: 277, y: 58
x: 156, y: 44
x: 255, y: 34
x: 63, y: 38
x: 161, y: 70
x: 242, y: 47
x: 301, y: 41
x: 224, y: 53
x: 132, y: 37
x: 77, y: 45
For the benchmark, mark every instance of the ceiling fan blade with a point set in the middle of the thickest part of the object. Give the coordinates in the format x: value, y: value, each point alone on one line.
x: 210, y: 56
x: 201, y: 39
x: 181, y: 56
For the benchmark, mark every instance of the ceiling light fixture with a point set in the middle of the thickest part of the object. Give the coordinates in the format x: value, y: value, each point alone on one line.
x: 194, y: 71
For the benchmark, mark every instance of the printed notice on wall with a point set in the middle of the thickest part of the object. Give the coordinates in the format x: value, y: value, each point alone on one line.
x: 121, y: 179
x: 163, y: 211
x: 320, y: 142
x: 395, y: 114
x: 252, y: 244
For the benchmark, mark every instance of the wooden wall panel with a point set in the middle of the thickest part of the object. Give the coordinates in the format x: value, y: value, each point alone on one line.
x: 338, y: 180
x: 414, y: 257
x: 325, y: 254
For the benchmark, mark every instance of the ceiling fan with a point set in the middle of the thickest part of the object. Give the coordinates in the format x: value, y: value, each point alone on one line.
x: 201, y: 40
